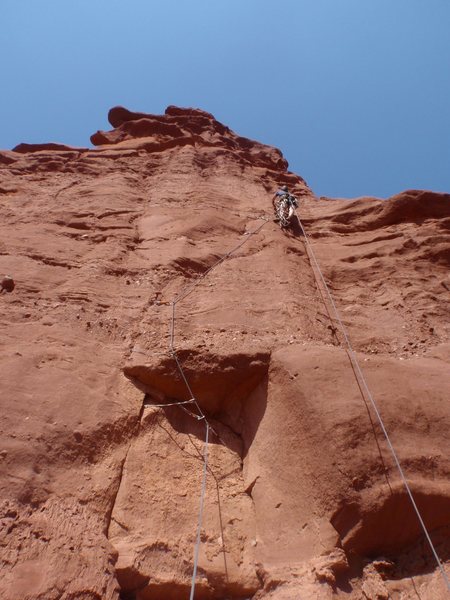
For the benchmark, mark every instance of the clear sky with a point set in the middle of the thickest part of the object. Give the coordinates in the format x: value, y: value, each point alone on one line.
x: 356, y: 93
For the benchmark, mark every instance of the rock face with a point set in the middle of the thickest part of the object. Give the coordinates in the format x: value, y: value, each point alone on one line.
x: 102, y: 468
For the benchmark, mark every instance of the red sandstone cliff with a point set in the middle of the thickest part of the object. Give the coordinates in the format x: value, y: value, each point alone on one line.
x: 100, y: 488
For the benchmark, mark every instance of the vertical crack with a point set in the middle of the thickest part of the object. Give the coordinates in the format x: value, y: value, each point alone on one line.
x: 110, y: 512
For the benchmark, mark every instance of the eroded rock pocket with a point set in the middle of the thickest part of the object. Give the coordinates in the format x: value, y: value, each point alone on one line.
x: 218, y: 382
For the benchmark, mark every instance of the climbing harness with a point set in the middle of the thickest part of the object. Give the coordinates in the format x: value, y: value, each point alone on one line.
x: 363, y: 385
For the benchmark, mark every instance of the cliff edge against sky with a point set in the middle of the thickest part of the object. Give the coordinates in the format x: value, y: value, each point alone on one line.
x: 101, y: 481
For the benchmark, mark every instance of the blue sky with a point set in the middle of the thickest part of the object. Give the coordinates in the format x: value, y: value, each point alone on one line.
x: 356, y: 93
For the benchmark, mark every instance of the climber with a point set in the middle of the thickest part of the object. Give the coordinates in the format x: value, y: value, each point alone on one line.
x: 282, y: 191
x: 284, y: 205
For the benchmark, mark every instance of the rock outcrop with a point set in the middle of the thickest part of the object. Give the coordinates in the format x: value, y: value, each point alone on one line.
x: 100, y: 466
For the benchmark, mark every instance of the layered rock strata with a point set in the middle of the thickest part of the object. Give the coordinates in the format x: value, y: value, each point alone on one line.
x: 100, y: 480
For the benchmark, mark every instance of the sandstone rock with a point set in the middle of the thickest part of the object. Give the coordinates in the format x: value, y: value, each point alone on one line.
x: 328, y: 566
x: 188, y: 126
x: 101, y: 467
x: 373, y: 587
x: 25, y: 148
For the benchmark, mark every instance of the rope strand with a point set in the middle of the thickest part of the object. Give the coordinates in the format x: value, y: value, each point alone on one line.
x: 201, y: 416
x: 183, y: 294
x: 358, y: 370
x: 200, y: 512
x: 170, y: 404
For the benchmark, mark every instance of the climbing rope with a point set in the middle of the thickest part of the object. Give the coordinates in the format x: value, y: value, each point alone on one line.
x: 172, y: 403
x: 182, y: 296
x: 201, y: 416
x: 193, y: 400
x: 363, y: 383
x: 200, y: 512
x: 190, y: 288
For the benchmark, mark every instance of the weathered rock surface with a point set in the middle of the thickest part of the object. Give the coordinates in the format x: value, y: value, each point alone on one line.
x: 100, y: 484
